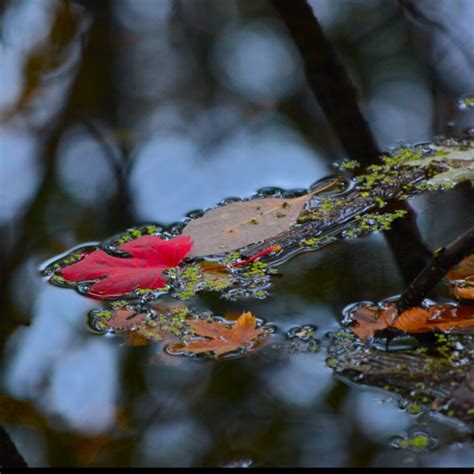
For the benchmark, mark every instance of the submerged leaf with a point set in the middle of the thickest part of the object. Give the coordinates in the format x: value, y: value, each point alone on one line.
x: 117, y: 276
x: 222, y: 338
x: 242, y: 223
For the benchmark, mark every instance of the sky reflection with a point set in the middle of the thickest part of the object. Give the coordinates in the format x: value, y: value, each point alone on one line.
x: 127, y: 111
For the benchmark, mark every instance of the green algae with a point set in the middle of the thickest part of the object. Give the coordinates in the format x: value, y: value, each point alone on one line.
x: 418, y: 441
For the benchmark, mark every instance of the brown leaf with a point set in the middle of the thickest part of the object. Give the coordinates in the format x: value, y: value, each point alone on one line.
x: 462, y: 279
x: 222, y: 338
x: 413, y: 320
x: 123, y: 318
x: 441, y: 317
x: 462, y: 270
x: 242, y: 223
x: 369, y: 319
x: 245, y: 328
x: 464, y: 292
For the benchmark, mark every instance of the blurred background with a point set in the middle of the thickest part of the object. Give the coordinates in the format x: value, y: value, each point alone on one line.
x: 120, y: 112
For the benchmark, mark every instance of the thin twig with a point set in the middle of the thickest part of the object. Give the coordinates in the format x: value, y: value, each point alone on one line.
x: 443, y: 260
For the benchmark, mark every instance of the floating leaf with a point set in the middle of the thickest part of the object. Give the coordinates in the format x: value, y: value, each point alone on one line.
x: 463, y: 270
x: 116, y: 276
x: 370, y: 318
x: 440, y: 317
x: 465, y: 292
x: 221, y: 338
x: 462, y: 279
x: 456, y: 163
x: 119, y: 317
x: 242, y: 223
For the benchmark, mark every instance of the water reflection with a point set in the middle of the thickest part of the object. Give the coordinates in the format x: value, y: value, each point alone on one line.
x: 244, y: 162
x: 197, y: 101
x: 276, y: 72
x: 84, y: 171
x: 67, y: 376
x: 18, y: 158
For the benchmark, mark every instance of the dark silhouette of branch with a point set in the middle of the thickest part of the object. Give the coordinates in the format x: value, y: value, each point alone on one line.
x: 442, y: 261
x: 329, y: 80
x: 331, y: 84
x: 9, y: 454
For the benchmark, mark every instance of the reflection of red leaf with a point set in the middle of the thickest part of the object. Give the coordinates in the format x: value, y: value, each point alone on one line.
x: 369, y: 319
x: 150, y: 255
x: 222, y: 338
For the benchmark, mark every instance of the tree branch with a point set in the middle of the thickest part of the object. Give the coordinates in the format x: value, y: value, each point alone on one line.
x: 337, y: 95
x: 9, y: 454
x: 443, y: 260
x: 329, y: 80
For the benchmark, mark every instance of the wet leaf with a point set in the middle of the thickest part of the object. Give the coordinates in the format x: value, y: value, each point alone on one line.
x: 463, y: 269
x: 440, y: 317
x: 370, y: 318
x: 117, y: 276
x: 464, y: 292
x: 242, y: 223
x: 221, y: 338
x: 457, y: 164
x: 462, y: 279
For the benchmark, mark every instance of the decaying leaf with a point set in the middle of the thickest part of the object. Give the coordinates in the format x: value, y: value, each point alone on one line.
x: 462, y: 279
x: 463, y: 269
x: 440, y: 317
x: 242, y: 223
x: 457, y: 165
x: 370, y: 318
x: 222, y: 338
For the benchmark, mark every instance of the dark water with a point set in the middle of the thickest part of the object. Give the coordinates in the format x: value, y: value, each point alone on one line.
x: 116, y: 113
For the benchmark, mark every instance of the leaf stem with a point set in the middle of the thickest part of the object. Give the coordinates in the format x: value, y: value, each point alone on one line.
x: 274, y: 248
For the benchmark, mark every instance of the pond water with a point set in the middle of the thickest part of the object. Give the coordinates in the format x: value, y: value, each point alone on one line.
x: 118, y: 113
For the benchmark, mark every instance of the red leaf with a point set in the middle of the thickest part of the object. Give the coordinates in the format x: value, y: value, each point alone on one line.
x: 150, y: 255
